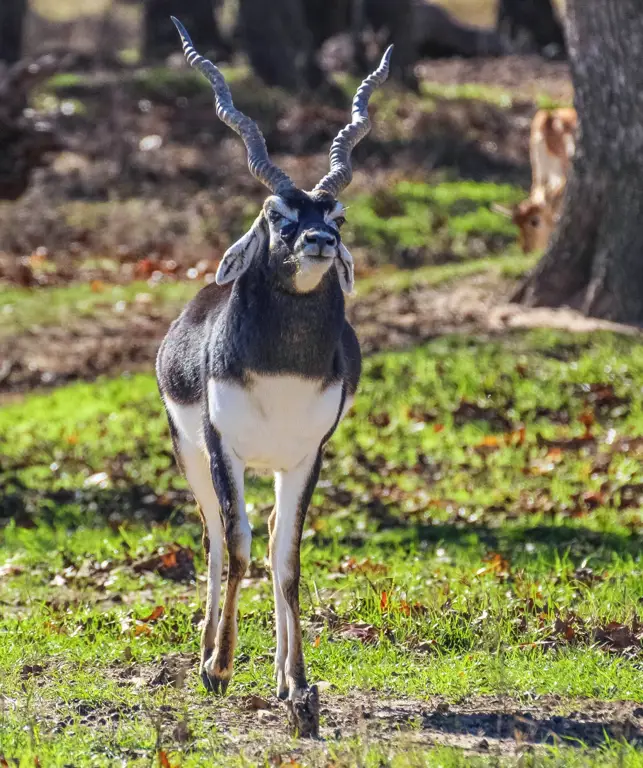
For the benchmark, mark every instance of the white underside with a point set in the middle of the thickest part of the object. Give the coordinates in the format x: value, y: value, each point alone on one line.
x: 277, y: 423
x: 273, y: 424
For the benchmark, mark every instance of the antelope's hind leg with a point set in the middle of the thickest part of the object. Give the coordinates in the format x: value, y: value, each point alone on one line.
x: 185, y: 428
x: 293, y: 491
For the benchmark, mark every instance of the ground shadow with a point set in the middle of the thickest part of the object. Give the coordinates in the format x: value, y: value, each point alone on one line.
x: 525, y: 727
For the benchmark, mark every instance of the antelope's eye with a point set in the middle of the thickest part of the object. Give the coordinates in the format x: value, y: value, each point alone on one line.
x: 535, y: 221
x: 339, y: 221
x: 275, y: 217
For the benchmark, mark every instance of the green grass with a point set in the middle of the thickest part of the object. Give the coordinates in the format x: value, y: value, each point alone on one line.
x: 389, y: 279
x: 26, y: 308
x: 428, y: 220
x: 479, y: 559
x: 390, y: 99
x: 501, y: 97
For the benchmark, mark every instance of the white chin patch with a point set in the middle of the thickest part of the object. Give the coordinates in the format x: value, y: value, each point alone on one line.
x: 310, y: 273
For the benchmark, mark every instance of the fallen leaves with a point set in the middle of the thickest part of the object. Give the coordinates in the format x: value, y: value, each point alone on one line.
x: 613, y: 637
x: 164, y: 760
x: 496, y: 564
x: 366, y: 565
x: 470, y: 411
x: 254, y: 703
x: 142, y: 626
x: 566, y: 627
x: 365, y: 633
x: 175, y: 562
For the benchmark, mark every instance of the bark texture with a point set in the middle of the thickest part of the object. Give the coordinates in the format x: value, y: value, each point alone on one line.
x: 12, y: 16
x: 283, y: 42
x: 24, y: 145
x: 594, y: 261
x: 280, y: 44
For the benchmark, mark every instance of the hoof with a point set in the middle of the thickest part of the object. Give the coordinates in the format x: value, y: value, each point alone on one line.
x: 303, y: 710
x: 213, y: 684
x: 282, y: 685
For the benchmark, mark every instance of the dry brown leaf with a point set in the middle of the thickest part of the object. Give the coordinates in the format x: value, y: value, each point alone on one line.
x: 365, y: 633
x: 496, y: 564
x: 169, y: 560
x: 156, y: 614
x: 254, y: 703
x: 587, y: 419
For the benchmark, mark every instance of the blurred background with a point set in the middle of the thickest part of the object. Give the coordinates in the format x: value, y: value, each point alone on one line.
x: 118, y: 181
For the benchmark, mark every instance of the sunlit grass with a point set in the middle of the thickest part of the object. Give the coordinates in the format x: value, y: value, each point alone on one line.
x: 455, y: 541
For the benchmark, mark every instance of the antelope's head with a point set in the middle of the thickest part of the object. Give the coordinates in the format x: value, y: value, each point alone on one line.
x: 297, y: 235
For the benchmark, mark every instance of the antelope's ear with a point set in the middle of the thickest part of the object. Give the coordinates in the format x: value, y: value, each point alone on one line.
x: 345, y: 269
x: 239, y: 256
x: 502, y: 210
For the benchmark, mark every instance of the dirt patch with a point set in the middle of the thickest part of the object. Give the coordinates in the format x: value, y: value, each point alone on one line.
x: 259, y: 725
x: 496, y: 724
x: 530, y: 76
x: 383, y: 319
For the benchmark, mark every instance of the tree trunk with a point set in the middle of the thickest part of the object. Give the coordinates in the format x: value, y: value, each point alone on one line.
x: 12, y: 16
x: 398, y: 19
x: 594, y: 261
x: 531, y: 26
x: 160, y: 38
x: 25, y: 144
x: 279, y: 44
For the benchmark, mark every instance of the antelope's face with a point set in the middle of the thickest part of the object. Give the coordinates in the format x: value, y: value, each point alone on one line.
x: 305, y: 240
x: 535, y: 222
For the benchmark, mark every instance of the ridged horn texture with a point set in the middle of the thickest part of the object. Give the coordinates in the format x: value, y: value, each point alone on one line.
x: 341, y: 171
x: 258, y: 161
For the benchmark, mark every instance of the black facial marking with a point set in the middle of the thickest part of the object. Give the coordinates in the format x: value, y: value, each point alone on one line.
x: 289, y: 230
x: 311, y: 215
x: 229, y: 266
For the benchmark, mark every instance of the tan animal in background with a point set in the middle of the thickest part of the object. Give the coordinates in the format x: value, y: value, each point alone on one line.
x: 552, y: 143
x: 536, y: 219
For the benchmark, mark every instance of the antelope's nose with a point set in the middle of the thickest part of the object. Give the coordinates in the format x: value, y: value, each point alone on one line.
x: 319, y: 238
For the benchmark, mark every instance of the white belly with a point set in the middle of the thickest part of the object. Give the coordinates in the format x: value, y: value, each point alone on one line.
x: 275, y: 421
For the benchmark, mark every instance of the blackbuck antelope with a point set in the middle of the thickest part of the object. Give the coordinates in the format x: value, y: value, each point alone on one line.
x: 257, y: 372
x: 552, y: 143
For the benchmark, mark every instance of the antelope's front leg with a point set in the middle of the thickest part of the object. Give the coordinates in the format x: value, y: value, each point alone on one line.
x: 293, y: 491
x: 227, y: 477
